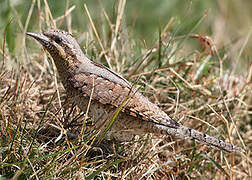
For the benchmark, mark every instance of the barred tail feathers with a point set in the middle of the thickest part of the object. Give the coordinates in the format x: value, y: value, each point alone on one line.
x: 184, y: 132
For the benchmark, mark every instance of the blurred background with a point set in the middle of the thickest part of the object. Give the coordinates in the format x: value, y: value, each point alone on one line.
x: 228, y: 22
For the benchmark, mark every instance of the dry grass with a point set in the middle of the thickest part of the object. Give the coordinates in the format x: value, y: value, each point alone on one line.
x: 193, y: 87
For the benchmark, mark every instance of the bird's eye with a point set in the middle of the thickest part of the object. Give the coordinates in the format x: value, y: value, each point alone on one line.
x: 58, y: 40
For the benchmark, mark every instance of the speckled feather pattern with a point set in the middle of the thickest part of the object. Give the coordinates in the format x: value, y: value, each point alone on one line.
x: 80, y: 76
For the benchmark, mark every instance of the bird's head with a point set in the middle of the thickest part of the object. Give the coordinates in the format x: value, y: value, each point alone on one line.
x: 61, y: 45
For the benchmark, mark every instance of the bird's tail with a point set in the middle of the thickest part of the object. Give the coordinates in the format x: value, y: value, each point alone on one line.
x: 184, y: 132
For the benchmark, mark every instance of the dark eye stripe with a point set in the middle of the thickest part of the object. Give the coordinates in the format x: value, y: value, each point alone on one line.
x: 58, y: 40
x: 49, y: 46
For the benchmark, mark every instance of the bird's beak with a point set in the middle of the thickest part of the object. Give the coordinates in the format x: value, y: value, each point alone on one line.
x: 41, y: 38
x: 47, y: 43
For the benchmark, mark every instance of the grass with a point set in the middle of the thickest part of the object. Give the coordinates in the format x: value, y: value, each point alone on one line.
x: 196, y: 85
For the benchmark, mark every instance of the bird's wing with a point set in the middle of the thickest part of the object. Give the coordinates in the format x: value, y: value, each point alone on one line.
x: 113, y: 93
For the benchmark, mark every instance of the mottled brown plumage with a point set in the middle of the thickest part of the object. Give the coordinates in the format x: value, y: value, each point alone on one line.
x: 81, y: 76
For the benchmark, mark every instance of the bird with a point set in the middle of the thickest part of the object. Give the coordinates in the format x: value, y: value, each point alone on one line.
x: 87, y: 81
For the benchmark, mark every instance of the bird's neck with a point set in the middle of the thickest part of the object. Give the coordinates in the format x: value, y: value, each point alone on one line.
x: 65, y: 66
